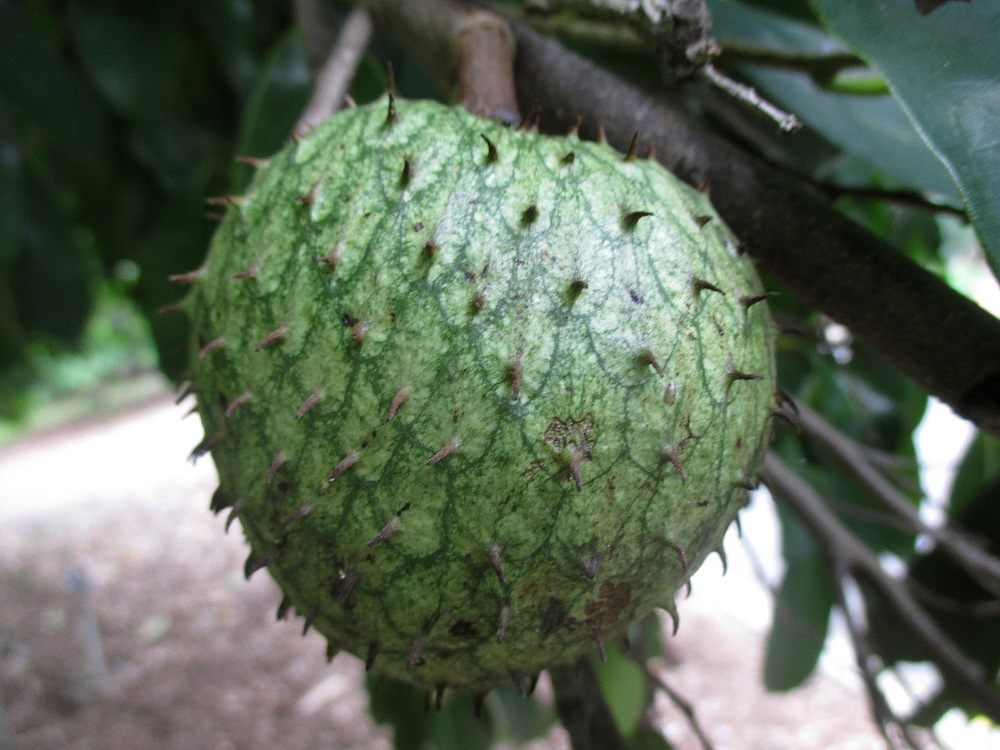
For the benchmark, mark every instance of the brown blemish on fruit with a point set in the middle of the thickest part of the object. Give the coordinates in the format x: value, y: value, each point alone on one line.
x: 612, y: 601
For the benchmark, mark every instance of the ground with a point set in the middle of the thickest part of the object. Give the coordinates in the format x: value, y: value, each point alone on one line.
x: 126, y: 622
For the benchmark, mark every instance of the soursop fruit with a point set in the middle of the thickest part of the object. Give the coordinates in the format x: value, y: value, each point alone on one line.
x: 479, y: 397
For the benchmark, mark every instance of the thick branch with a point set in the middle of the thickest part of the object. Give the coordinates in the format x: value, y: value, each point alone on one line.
x: 945, y: 342
x: 844, y: 549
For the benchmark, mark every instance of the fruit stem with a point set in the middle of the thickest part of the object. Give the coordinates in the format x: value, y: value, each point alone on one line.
x: 465, y: 47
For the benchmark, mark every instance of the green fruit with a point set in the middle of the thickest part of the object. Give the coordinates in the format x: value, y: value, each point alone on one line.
x: 479, y: 397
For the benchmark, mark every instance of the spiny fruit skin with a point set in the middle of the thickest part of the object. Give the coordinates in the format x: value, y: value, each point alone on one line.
x: 479, y: 397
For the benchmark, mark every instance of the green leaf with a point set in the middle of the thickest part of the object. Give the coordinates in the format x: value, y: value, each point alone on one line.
x: 12, y: 199
x: 518, y: 718
x: 945, y: 71
x: 648, y: 738
x: 278, y: 98
x: 801, y: 611
x: 228, y: 26
x: 799, y: 9
x: 623, y: 683
x: 874, y: 128
x: 418, y: 725
x: 980, y: 466
x: 874, y: 406
x: 456, y: 726
x: 403, y: 707
x: 54, y: 277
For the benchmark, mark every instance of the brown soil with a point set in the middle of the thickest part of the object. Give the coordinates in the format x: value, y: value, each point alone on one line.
x: 107, y: 519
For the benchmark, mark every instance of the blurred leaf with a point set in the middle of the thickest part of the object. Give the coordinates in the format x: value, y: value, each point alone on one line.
x: 926, y: 6
x: 12, y: 223
x: 648, y: 739
x: 403, y: 707
x: 132, y: 49
x: 173, y: 152
x: 54, y: 275
x: 625, y: 689
x: 867, y: 415
x: 517, y: 718
x: 11, y: 195
x: 417, y: 725
x: 799, y: 9
x: 228, y: 25
x: 370, y: 81
x: 945, y: 71
x: 874, y: 128
x: 174, y: 241
x: 456, y: 726
x: 52, y: 100
x: 801, y: 610
x: 279, y: 95
x: 645, y: 638
x: 980, y: 467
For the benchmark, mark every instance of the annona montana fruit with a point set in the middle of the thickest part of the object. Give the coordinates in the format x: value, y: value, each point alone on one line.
x: 479, y: 397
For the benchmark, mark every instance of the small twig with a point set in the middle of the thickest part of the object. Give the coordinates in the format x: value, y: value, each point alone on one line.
x: 656, y: 668
x: 583, y: 710
x: 982, y: 566
x: 981, y: 610
x: 749, y: 130
x: 788, y: 122
x: 843, y: 548
x: 334, y: 78
x: 894, y: 730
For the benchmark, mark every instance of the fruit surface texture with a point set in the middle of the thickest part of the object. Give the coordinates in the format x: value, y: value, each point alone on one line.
x: 479, y: 397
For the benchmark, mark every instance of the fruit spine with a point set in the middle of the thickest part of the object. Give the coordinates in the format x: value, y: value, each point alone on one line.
x: 479, y: 397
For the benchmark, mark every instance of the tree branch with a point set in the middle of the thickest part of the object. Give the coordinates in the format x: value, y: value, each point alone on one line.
x: 894, y: 730
x: 844, y: 549
x: 945, y: 342
x: 983, y: 567
x: 334, y: 77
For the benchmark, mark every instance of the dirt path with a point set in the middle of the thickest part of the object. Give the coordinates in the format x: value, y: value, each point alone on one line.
x: 111, y: 517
